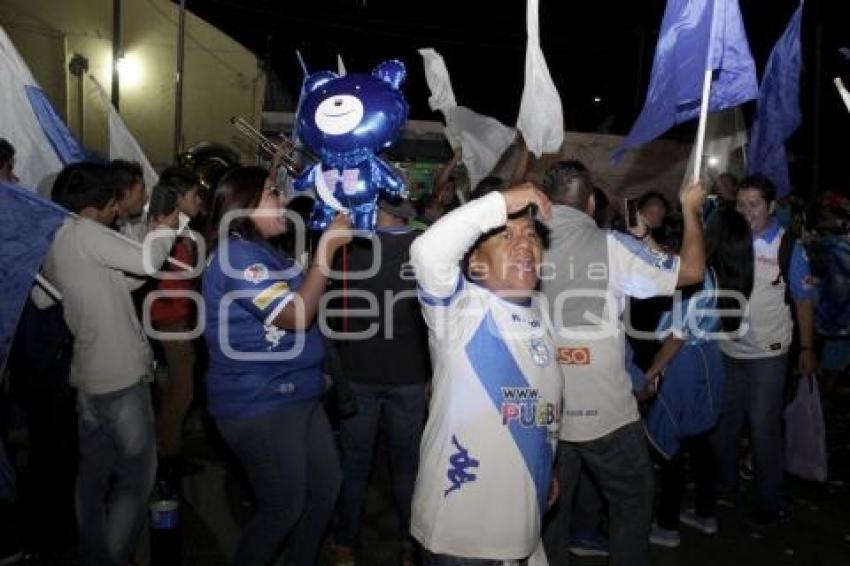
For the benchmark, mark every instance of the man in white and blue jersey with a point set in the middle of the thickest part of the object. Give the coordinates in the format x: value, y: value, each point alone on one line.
x: 488, y: 447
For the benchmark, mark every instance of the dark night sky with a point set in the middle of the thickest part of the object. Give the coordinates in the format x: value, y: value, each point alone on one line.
x: 593, y: 48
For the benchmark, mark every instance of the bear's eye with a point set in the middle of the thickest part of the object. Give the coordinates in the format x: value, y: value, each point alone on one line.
x: 324, y: 91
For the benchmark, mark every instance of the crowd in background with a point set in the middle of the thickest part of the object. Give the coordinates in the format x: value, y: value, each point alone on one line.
x: 102, y: 432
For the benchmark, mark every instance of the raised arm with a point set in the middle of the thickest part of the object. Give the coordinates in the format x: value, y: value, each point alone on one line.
x: 437, y: 253
x: 299, y: 313
x: 692, y: 256
x: 117, y: 251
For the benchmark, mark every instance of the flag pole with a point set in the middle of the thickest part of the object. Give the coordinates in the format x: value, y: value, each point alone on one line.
x: 842, y: 91
x: 703, y: 120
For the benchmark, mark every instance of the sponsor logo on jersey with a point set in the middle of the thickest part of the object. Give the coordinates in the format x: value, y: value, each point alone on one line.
x: 256, y: 273
x: 265, y: 297
x: 574, y: 356
x: 532, y: 322
x: 539, y: 351
x: 459, y: 464
x: 523, y: 405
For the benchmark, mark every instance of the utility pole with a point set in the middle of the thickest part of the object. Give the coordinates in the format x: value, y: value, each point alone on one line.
x: 116, y: 49
x: 79, y: 66
x: 178, y: 84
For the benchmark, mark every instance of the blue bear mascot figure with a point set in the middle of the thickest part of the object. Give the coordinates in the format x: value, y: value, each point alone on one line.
x: 346, y: 120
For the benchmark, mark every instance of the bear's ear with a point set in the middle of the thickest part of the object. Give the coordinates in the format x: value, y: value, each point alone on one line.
x: 392, y: 72
x: 316, y: 80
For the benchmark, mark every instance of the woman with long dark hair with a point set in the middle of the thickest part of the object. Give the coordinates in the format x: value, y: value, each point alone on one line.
x: 690, y: 395
x: 264, y: 378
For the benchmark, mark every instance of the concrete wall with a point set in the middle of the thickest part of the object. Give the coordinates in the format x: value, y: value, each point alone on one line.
x: 221, y: 78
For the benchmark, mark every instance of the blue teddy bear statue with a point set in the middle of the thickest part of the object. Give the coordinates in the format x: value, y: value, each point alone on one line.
x: 346, y: 120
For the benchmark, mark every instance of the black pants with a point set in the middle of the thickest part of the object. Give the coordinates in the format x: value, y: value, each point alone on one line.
x: 39, y: 364
x: 619, y: 462
x: 672, y: 481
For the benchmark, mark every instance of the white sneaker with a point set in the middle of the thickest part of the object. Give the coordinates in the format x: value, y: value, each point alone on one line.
x: 664, y: 537
x: 705, y: 525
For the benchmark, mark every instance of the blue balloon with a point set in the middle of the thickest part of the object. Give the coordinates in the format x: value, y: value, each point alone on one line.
x: 346, y: 120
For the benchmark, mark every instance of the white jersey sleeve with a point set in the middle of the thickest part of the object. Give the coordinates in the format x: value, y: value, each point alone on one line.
x: 636, y: 270
x: 436, y: 255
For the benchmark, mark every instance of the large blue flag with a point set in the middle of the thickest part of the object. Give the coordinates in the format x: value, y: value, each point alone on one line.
x: 65, y: 145
x: 778, y: 112
x: 27, y: 226
x: 695, y: 36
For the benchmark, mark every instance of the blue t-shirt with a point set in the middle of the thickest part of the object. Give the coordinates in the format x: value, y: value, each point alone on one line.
x: 254, y: 365
x: 693, y: 317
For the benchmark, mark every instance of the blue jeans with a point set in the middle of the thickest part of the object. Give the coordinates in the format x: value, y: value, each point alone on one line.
x: 116, y: 473
x: 403, y: 407
x: 291, y: 462
x: 619, y: 462
x: 754, y: 390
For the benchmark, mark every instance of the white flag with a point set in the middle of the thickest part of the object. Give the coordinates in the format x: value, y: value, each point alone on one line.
x: 122, y: 144
x: 35, y: 157
x: 541, y: 117
x: 482, y: 139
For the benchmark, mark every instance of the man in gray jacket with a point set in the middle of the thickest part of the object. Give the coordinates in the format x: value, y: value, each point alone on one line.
x: 93, y: 269
x: 588, y: 274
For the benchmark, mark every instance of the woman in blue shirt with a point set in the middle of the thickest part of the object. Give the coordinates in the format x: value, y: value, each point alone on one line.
x: 690, y: 396
x: 264, y: 378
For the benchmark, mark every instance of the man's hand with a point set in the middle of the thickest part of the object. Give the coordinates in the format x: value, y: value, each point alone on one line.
x: 521, y: 196
x: 692, y: 198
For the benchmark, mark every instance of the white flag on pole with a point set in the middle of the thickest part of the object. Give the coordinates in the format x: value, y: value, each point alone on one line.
x: 35, y: 157
x: 122, y: 144
x: 482, y: 139
x: 541, y: 117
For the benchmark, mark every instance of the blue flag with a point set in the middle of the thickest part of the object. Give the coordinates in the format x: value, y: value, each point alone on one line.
x: 778, y: 111
x: 67, y: 148
x: 696, y: 35
x: 27, y: 226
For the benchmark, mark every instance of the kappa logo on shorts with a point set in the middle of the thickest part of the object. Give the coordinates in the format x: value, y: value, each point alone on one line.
x: 574, y: 356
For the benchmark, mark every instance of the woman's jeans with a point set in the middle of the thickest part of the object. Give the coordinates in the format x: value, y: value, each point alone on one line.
x: 292, y: 464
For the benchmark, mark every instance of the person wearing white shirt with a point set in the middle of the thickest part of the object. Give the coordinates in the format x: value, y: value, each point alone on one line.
x: 590, y: 273
x: 487, y: 451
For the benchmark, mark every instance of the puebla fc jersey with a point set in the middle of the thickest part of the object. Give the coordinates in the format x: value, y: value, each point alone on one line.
x: 488, y: 447
x: 254, y: 365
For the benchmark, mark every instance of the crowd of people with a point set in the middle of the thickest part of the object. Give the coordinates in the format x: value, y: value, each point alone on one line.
x: 546, y: 367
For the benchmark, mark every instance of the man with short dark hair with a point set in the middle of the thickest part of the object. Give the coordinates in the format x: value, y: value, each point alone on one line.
x: 756, y: 363
x: 111, y: 360
x: 590, y: 273
x: 130, y: 198
x: 488, y: 447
